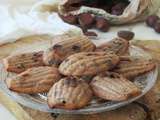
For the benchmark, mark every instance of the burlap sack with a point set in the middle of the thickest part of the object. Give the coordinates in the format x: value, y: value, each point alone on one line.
x: 137, y: 10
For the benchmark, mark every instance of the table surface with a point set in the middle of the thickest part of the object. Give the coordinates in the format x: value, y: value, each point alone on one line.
x: 5, y: 114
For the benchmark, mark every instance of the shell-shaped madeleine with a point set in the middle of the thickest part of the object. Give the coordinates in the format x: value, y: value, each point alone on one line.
x: 114, y: 87
x: 34, y: 80
x: 69, y: 93
x: 133, y: 68
x: 20, y: 62
x: 66, y: 47
x: 88, y: 63
x: 118, y: 46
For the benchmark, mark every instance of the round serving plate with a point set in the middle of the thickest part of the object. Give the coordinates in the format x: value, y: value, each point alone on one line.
x: 38, y: 101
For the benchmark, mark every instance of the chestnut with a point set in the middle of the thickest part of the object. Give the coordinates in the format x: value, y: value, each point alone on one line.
x: 157, y: 27
x: 86, y: 20
x: 151, y: 20
x: 102, y: 24
x: 127, y: 35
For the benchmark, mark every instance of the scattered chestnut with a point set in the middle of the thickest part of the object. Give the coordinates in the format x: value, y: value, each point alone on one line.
x: 90, y: 34
x: 86, y: 20
x: 128, y: 35
x: 102, y: 24
x: 151, y: 20
x: 157, y: 27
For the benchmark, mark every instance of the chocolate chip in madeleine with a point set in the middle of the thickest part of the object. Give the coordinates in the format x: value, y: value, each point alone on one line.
x: 76, y: 48
x: 127, y: 35
x: 57, y: 46
x: 69, y: 93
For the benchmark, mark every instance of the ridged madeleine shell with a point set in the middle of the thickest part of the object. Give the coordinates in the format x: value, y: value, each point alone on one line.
x: 66, y: 47
x: 69, y: 93
x: 133, y: 68
x: 114, y: 87
x: 21, y: 62
x: 118, y: 46
x: 34, y: 80
x: 88, y: 63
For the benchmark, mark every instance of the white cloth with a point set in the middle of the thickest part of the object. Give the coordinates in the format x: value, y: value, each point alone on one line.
x: 5, y: 114
x: 17, y: 21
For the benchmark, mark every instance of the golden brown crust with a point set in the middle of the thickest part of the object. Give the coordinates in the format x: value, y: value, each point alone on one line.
x: 88, y: 63
x: 118, y: 46
x: 21, y: 62
x: 69, y: 93
x: 133, y: 68
x: 34, y: 80
x: 66, y: 47
x: 114, y: 87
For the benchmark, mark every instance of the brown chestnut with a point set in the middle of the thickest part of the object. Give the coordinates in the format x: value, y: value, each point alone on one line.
x: 127, y: 35
x: 91, y: 34
x: 86, y: 20
x: 151, y: 20
x: 157, y: 27
x: 102, y: 24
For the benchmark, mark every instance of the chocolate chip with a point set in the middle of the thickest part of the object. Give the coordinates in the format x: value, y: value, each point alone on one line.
x: 20, y: 66
x: 86, y: 20
x: 38, y: 54
x: 71, y: 81
x: 128, y: 35
x: 54, y: 62
x: 89, y: 54
x: 64, y: 102
x: 25, y: 75
x: 152, y: 20
x: 71, y: 19
x: 76, y: 48
x: 102, y: 24
x: 54, y: 115
x: 87, y: 78
x: 57, y: 46
x: 109, y: 62
x: 35, y: 60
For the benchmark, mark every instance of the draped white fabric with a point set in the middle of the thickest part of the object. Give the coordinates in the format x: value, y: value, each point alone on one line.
x: 5, y: 114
